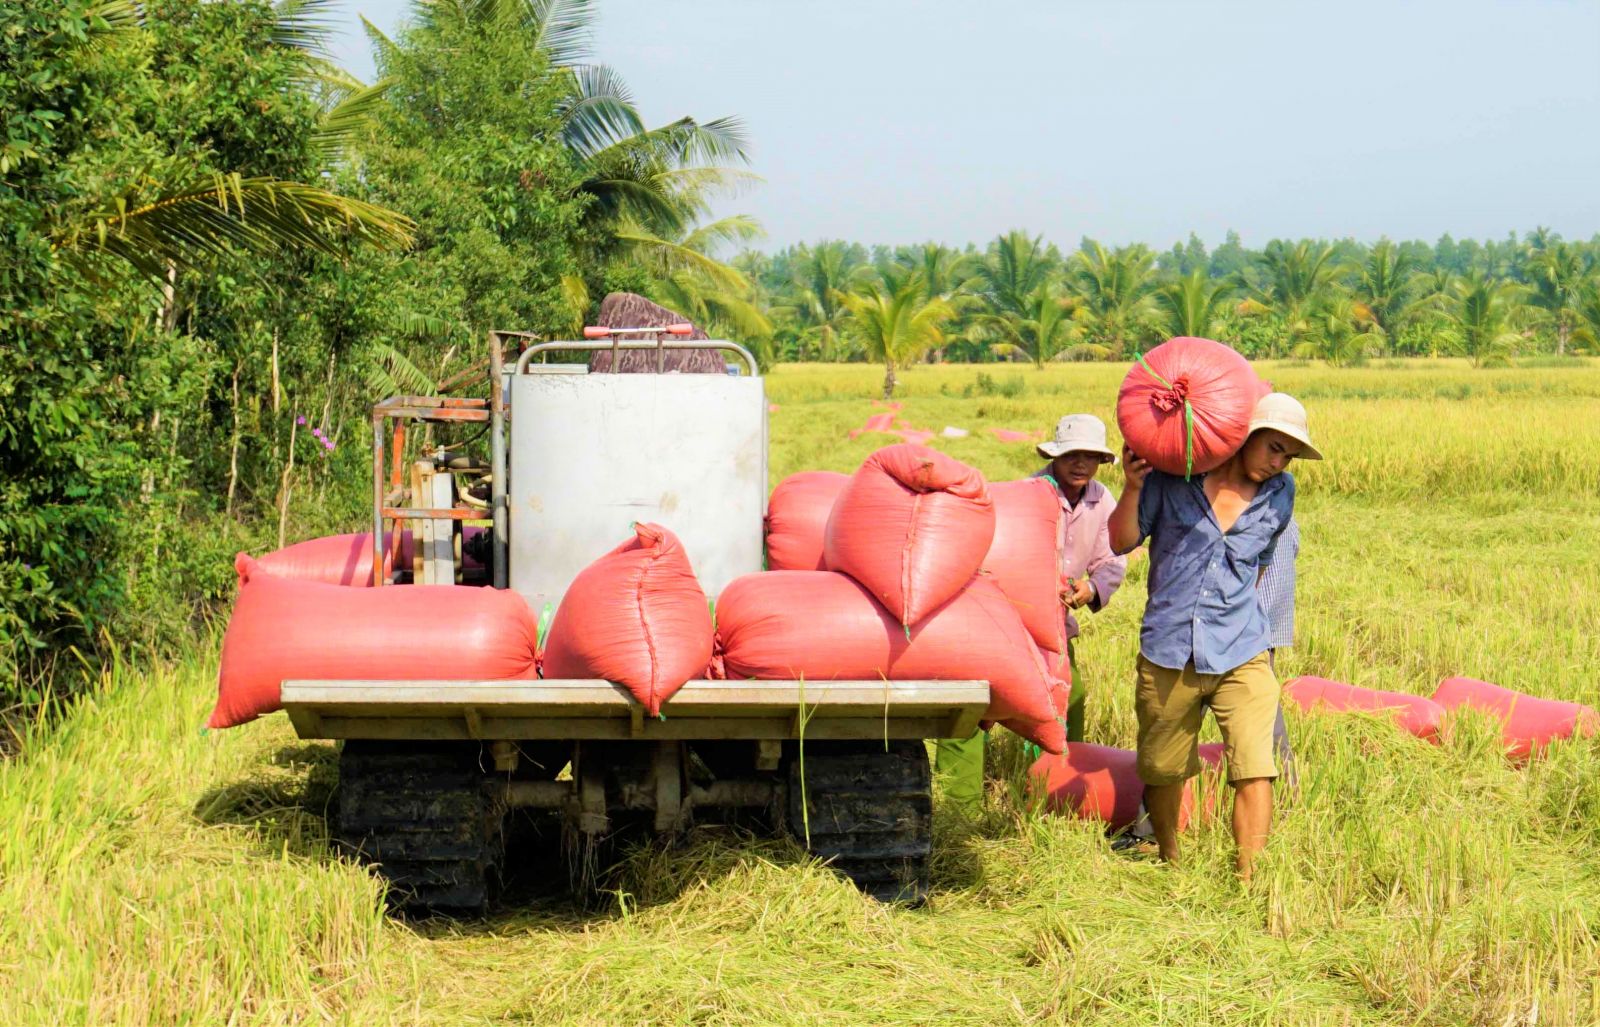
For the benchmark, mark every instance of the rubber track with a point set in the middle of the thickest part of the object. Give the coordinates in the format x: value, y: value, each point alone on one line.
x: 871, y: 813
x: 417, y: 810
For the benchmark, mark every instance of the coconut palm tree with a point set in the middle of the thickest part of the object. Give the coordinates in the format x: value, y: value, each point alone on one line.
x: 1556, y: 270
x: 1384, y: 283
x: 1042, y: 330
x: 1482, y: 318
x: 813, y: 304
x: 1587, y: 308
x: 1340, y: 330
x: 1114, y: 288
x: 1289, y: 281
x: 1194, y: 305
x: 1014, y: 267
x: 894, y: 319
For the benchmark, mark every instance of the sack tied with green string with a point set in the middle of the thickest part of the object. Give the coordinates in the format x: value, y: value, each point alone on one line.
x: 1185, y: 405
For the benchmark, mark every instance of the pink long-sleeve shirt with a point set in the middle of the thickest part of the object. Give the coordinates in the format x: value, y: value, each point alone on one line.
x: 1086, y: 545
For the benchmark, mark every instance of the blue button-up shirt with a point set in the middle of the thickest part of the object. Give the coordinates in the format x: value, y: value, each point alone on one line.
x: 1203, y: 605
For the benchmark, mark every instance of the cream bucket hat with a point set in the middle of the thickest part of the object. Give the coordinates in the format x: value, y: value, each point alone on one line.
x: 1078, y: 433
x: 1281, y: 412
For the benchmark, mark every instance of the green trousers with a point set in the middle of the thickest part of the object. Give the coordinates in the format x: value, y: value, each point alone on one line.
x: 959, y: 761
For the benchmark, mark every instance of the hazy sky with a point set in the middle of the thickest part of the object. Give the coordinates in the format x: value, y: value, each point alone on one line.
x: 1127, y: 120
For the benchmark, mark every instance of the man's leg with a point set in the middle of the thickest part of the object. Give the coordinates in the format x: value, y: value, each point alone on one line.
x: 1168, y: 704
x: 959, y: 762
x: 1163, y: 803
x: 1080, y: 692
x: 1245, y: 704
x: 1252, y: 820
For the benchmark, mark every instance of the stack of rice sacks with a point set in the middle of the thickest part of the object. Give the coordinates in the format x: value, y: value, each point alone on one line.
x: 904, y: 590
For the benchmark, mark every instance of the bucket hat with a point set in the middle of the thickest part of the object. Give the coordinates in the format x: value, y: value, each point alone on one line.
x: 1281, y: 412
x: 1078, y: 433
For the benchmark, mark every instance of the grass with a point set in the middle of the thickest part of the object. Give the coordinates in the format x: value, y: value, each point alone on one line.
x: 152, y: 874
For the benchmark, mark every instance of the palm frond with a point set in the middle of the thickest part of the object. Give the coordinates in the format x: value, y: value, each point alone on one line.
x: 225, y: 214
x: 346, y: 122
x: 561, y: 28
x: 428, y: 327
x: 626, y: 198
x: 336, y: 83
x: 733, y: 230
x: 671, y: 256
x: 576, y: 294
x: 385, y: 47
x: 598, y: 112
x: 117, y: 15
x: 706, y: 181
x: 304, y: 24
x: 390, y: 372
x: 687, y: 141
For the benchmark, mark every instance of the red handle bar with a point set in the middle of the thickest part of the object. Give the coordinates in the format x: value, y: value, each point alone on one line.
x: 598, y: 332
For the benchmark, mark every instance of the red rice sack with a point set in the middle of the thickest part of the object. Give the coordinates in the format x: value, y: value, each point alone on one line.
x: 1099, y: 782
x: 797, y: 516
x: 823, y: 626
x: 284, y: 630
x: 1025, y: 556
x: 1415, y: 714
x: 341, y: 559
x: 636, y: 616
x: 1530, y: 724
x: 913, y: 525
x: 1214, y: 382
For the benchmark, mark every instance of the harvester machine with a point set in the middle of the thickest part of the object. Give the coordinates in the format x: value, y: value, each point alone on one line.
x: 559, y: 461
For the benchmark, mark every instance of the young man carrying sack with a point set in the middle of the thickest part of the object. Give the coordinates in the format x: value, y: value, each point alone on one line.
x: 1204, y: 639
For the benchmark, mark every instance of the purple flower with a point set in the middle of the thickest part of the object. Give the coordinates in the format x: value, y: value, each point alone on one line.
x: 317, y: 432
x: 328, y: 443
x: 299, y: 420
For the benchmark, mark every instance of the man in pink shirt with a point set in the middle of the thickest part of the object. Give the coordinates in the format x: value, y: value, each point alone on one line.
x: 1091, y: 570
x: 1091, y: 573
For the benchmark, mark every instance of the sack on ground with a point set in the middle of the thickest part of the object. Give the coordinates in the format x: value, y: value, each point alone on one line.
x: 1529, y: 724
x: 1415, y: 714
x: 797, y: 516
x: 820, y: 625
x: 1186, y: 406
x: 636, y: 616
x: 1025, y: 556
x: 284, y: 630
x: 913, y: 525
x: 1099, y: 782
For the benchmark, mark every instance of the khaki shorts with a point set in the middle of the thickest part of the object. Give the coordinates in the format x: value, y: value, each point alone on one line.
x: 1172, y: 703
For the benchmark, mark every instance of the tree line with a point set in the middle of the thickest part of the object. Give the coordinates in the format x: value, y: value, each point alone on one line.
x: 1021, y: 299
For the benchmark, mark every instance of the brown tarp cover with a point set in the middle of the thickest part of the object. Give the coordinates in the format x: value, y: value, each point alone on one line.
x: 630, y: 310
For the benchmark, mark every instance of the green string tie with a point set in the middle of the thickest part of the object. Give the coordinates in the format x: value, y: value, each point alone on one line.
x: 1188, y: 416
x: 544, y: 625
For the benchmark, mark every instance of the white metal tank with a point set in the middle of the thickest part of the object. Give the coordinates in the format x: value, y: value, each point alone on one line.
x: 593, y: 453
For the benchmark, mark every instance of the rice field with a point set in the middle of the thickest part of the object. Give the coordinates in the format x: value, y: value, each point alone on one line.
x: 150, y: 873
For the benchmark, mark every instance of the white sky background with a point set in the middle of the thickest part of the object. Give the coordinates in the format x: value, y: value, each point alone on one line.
x: 1126, y: 120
